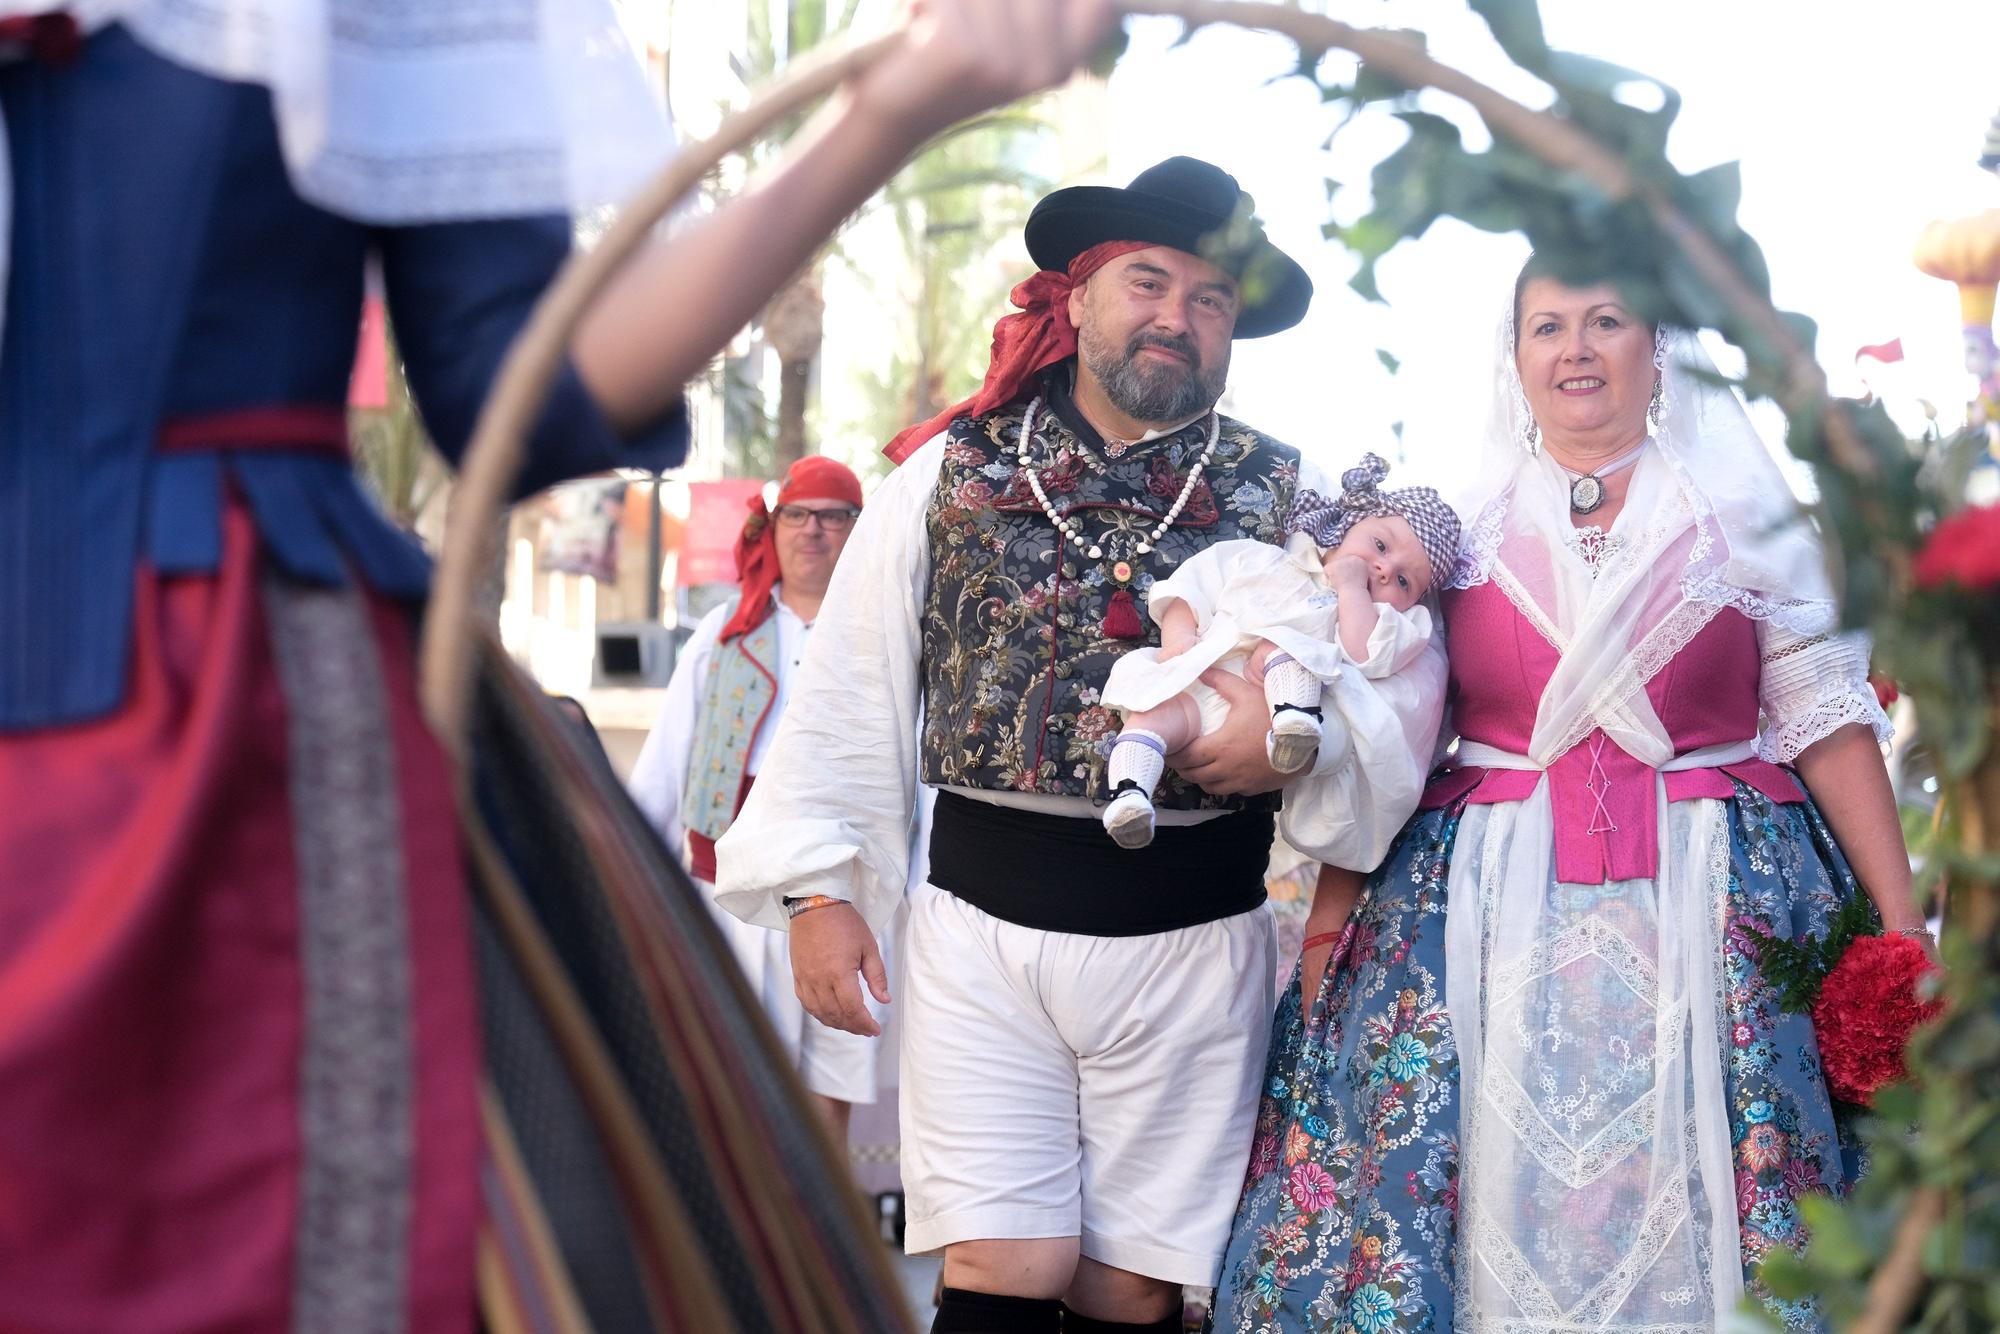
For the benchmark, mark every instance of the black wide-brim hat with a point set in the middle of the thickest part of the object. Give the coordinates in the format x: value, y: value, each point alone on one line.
x: 1191, y: 206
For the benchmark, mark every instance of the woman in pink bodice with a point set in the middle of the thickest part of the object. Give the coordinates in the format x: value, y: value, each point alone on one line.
x: 1538, y: 1082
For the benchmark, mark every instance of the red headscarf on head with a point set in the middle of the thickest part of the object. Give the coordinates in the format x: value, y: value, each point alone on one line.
x: 815, y: 477
x: 1039, y: 335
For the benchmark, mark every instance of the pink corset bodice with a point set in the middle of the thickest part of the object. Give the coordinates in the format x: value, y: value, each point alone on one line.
x: 1605, y: 808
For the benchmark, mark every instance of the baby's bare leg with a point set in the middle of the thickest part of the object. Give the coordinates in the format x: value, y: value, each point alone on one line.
x: 1253, y: 670
x: 1176, y: 723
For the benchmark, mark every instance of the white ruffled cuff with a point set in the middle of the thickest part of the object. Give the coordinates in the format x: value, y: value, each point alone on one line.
x: 1810, y: 689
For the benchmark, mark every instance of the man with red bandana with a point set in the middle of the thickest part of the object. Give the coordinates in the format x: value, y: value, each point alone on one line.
x: 729, y: 689
x: 1082, y: 1024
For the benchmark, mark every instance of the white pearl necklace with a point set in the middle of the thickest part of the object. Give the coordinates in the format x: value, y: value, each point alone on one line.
x: 1070, y: 529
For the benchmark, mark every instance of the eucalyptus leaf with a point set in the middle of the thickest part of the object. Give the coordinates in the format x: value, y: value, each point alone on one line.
x: 1517, y: 26
x: 1837, y: 1245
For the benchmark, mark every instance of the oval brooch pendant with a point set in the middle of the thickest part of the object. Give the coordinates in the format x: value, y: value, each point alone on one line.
x: 1586, y: 494
x: 1122, y: 571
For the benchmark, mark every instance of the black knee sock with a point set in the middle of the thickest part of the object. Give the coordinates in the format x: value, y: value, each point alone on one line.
x: 1073, y: 1323
x: 965, y: 1312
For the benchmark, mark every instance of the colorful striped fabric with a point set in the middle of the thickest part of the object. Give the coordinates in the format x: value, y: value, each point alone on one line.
x: 652, y: 1161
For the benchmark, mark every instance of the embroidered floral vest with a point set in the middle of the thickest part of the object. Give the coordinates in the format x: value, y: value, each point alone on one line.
x: 734, y: 701
x: 1014, y: 648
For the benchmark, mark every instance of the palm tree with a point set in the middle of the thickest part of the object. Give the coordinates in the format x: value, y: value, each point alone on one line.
x: 951, y: 204
x: 954, y: 206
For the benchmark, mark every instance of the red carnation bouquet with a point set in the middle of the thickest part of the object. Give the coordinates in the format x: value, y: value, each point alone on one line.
x: 1864, y: 992
x: 1867, y: 1008
x: 1962, y: 550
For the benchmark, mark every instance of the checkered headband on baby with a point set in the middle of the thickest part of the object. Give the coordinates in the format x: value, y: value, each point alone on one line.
x: 1326, y: 519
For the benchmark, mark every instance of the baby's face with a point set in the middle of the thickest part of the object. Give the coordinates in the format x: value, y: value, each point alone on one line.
x: 1399, y: 573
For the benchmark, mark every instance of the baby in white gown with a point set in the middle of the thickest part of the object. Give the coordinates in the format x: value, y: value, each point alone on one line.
x: 1314, y: 621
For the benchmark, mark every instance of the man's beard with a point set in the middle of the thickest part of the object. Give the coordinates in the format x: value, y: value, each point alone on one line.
x: 1156, y: 391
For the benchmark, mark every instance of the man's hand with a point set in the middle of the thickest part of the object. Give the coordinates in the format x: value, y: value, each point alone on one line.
x: 1230, y: 761
x: 830, y: 946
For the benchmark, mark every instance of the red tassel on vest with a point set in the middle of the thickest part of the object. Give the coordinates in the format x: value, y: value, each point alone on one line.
x: 1121, y: 618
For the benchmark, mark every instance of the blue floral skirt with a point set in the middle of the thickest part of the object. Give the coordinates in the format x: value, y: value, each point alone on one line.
x: 1348, y: 1218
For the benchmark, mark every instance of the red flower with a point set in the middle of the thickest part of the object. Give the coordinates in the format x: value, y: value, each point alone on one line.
x: 1866, y: 1011
x: 973, y: 495
x: 1763, y: 1146
x: 1311, y: 1187
x: 1885, y: 688
x: 1964, y: 549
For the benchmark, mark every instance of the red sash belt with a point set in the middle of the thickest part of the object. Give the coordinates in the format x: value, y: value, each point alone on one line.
x: 303, y: 429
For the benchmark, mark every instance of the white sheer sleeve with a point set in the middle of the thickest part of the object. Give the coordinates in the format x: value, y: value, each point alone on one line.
x: 830, y: 812
x: 1811, y: 686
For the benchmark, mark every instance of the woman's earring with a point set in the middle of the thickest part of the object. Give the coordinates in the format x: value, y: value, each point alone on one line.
x: 1659, y: 403
x: 1531, y: 436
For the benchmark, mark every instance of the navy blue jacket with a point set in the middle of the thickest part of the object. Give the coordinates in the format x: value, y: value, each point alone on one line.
x: 163, y: 268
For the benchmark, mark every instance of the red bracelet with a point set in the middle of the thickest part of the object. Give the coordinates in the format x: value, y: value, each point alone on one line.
x: 1323, y: 938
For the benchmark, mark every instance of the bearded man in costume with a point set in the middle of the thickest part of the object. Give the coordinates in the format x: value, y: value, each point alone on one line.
x: 728, y: 692
x: 1080, y: 1045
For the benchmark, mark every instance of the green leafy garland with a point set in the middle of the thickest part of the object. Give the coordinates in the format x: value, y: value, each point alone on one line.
x: 1798, y: 968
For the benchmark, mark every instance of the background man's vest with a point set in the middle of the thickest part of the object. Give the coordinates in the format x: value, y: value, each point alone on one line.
x: 734, y: 701
x: 1015, y: 647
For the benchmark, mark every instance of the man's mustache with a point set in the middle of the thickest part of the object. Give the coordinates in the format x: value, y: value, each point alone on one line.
x: 1182, y: 345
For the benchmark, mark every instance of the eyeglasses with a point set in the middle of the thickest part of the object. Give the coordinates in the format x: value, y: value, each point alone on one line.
x: 838, y: 519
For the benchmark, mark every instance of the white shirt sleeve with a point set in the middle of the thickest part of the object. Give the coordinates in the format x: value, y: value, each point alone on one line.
x: 659, y: 778
x: 1197, y: 583
x: 1397, y: 641
x: 1349, y: 807
x: 831, y: 810
x: 1809, y: 688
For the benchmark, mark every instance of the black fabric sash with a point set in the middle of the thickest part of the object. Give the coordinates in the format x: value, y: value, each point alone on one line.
x: 1063, y: 873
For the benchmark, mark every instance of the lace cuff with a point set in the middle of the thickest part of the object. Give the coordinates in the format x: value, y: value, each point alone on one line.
x: 1810, y: 688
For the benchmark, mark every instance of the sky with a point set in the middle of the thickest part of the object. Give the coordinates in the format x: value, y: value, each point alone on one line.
x: 1855, y: 123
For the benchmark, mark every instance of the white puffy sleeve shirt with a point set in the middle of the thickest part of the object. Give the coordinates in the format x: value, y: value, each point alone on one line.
x: 831, y: 811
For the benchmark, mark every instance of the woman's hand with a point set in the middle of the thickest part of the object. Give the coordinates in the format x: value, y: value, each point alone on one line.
x: 667, y: 314
x: 1334, y: 897
x: 958, y: 58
